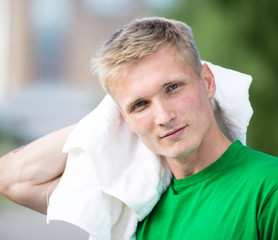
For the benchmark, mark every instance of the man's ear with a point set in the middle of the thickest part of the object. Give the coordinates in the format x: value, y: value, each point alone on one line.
x: 208, y: 78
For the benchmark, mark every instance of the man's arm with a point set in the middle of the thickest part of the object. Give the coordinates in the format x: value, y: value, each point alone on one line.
x: 29, y: 175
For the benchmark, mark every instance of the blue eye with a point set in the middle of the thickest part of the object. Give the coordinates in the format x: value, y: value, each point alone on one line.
x: 173, y: 86
x: 139, y: 104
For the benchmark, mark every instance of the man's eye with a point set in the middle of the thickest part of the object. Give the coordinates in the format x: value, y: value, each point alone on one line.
x: 139, y: 104
x: 173, y: 86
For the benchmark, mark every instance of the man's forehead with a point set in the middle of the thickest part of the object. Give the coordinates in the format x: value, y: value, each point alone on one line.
x: 149, y: 74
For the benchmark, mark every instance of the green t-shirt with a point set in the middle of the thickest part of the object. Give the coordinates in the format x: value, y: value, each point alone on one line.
x: 234, y: 198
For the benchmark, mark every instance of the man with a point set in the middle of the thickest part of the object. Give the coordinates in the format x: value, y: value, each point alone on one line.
x: 220, y: 189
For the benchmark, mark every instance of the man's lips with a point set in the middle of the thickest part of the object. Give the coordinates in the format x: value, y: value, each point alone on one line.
x: 174, y: 133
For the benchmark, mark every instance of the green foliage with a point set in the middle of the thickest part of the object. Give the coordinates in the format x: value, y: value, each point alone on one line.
x: 241, y: 35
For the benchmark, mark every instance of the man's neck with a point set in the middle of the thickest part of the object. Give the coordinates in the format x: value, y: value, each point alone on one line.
x: 207, y: 153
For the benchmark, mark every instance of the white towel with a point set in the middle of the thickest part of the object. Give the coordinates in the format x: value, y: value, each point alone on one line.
x: 112, y: 180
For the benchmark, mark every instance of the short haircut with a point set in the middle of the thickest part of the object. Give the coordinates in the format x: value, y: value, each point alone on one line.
x: 139, y: 39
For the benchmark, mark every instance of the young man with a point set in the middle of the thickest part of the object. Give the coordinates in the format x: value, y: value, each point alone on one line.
x: 220, y: 189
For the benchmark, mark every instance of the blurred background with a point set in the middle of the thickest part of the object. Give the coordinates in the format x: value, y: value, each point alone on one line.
x: 46, y: 82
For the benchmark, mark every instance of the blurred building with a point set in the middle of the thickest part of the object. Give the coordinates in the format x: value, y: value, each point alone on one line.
x: 46, y: 47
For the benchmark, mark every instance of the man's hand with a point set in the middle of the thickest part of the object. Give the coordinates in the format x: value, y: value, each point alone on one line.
x: 29, y: 175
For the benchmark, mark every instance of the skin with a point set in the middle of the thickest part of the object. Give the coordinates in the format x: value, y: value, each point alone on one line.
x: 29, y: 175
x: 168, y: 106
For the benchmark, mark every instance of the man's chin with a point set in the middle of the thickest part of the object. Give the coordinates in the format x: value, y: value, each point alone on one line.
x: 181, y: 154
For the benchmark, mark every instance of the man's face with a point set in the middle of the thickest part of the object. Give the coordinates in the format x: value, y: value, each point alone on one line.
x: 166, y: 104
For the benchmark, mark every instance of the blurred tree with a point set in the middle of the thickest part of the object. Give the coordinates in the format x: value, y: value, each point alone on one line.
x: 241, y: 35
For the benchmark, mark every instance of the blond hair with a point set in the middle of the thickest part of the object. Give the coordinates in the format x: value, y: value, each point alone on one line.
x: 139, y: 39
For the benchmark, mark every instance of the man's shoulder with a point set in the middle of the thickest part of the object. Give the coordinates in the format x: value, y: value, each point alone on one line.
x: 262, y: 166
x: 257, y: 157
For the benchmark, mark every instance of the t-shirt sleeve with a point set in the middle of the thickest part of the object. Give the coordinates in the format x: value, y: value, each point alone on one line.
x: 268, y: 221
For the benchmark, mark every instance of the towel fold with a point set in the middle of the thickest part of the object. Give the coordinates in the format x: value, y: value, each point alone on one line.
x: 112, y: 180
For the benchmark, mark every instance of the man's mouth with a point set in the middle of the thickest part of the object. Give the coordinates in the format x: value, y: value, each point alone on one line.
x: 174, y: 133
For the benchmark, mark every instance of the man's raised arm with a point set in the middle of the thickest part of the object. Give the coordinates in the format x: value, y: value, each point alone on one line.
x: 29, y: 175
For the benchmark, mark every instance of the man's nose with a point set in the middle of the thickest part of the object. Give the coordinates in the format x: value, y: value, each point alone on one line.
x: 164, y: 113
